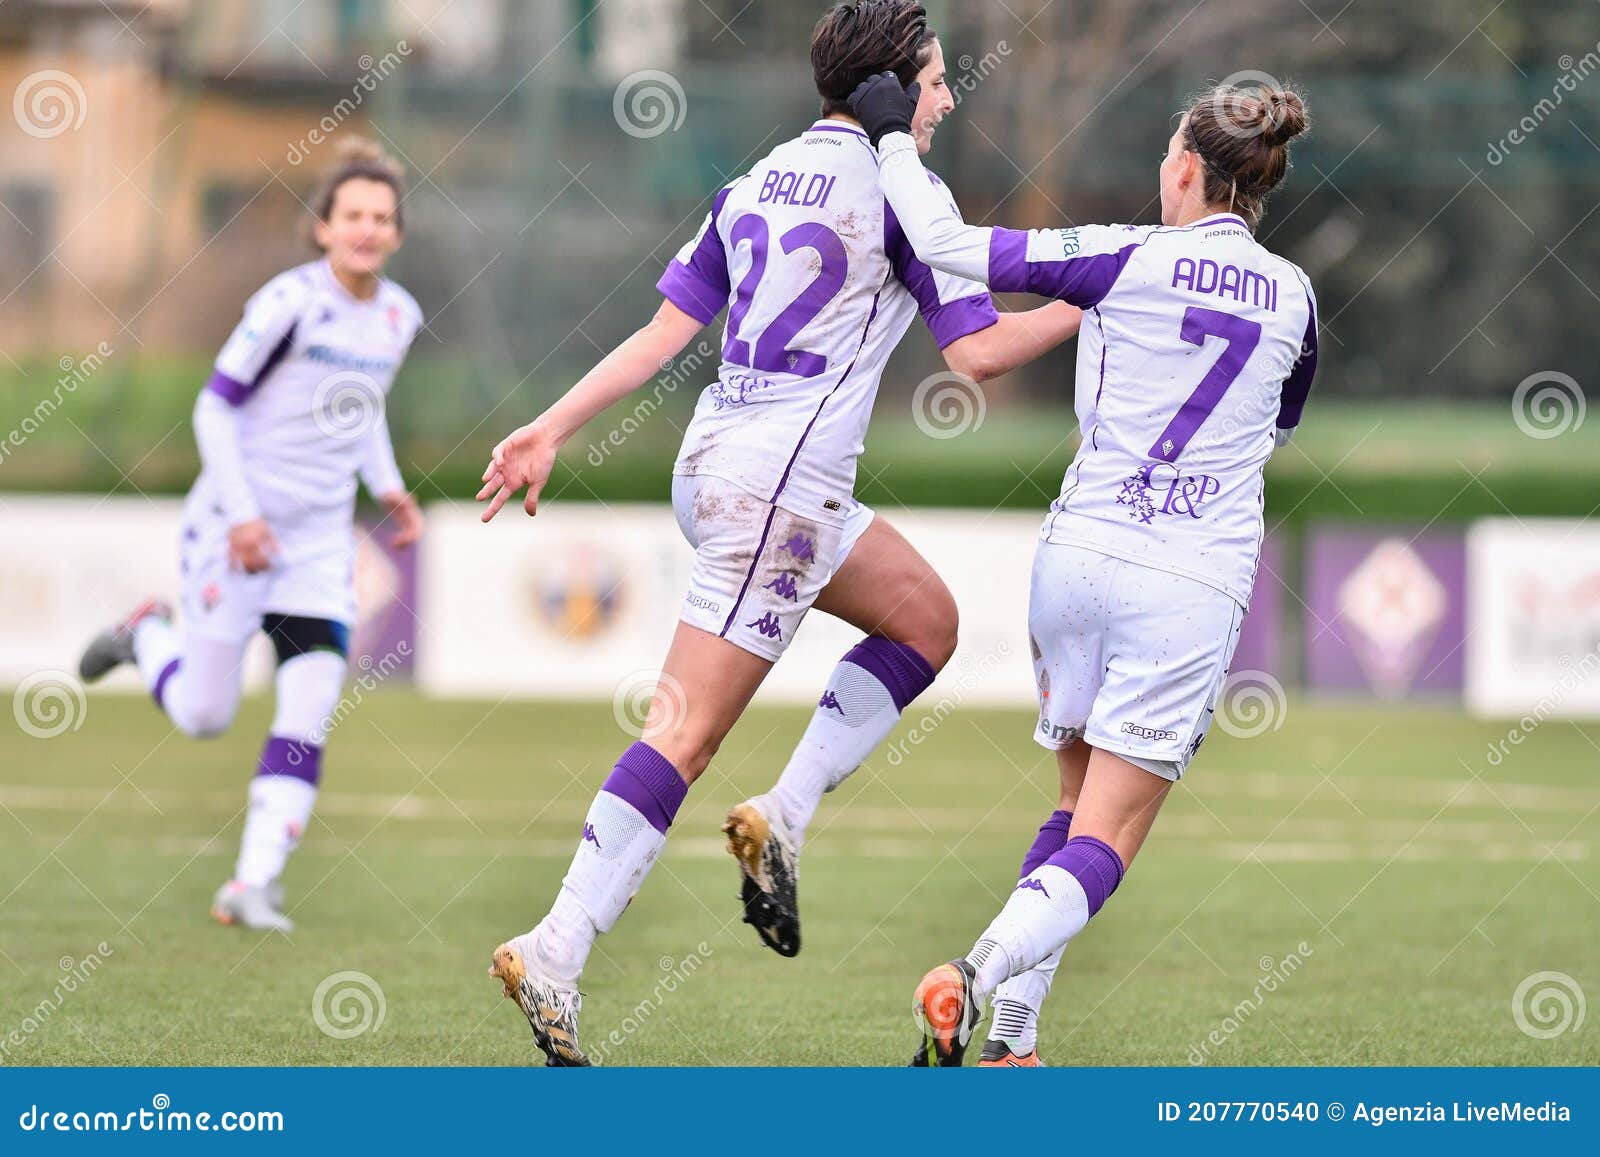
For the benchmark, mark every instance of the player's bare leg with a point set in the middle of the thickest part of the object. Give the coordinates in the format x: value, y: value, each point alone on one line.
x: 1116, y: 807
x: 1013, y: 1033
x: 706, y: 683
x: 889, y: 592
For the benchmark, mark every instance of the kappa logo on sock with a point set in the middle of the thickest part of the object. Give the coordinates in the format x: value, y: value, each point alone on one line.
x: 1033, y: 885
x: 829, y: 699
x: 589, y: 837
x: 785, y: 588
x: 767, y: 625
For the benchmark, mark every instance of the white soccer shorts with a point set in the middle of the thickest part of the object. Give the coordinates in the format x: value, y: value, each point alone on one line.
x: 1128, y: 658
x: 757, y: 567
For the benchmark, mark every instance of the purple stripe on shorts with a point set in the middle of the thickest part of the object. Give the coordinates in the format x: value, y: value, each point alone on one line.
x: 1051, y: 839
x: 646, y: 780
x: 160, y: 689
x: 755, y: 561
x: 292, y: 757
x: 1094, y: 864
x: 898, y: 667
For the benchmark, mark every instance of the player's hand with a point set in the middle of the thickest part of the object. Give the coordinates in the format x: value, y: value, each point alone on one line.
x: 883, y: 106
x: 406, y: 517
x: 523, y: 459
x: 251, y: 546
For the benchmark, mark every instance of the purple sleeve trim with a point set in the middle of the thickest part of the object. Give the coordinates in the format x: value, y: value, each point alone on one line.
x: 696, y: 297
x: 646, y: 779
x: 898, y: 667
x: 1008, y: 261
x: 947, y: 321
x: 1297, y: 386
x: 233, y: 391
x: 955, y: 320
x: 1081, y: 281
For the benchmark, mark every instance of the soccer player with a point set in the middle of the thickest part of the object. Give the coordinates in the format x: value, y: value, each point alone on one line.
x: 292, y: 416
x: 820, y: 285
x: 1195, y: 361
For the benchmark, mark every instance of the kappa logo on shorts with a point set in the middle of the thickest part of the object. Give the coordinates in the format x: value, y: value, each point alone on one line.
x: 1144, y: 732
x: 803, y: 548
x: 784, y: 587
x: 589, y: 837
x: 829, y: 699
x: 767, y: 625
x: 695, y: 600
x: 1032, y: 885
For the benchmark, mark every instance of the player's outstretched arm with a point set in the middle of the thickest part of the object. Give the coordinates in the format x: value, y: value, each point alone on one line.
x: 527, y: 456
x: 1014, y: 340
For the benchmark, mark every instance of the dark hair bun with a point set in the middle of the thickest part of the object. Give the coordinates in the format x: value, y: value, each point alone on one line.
x: 1283, y: 115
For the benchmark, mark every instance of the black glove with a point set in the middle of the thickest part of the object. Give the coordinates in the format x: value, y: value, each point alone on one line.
x: 883, y: 106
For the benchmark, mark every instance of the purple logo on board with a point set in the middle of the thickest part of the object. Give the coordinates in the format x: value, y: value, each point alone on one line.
x: 767, y: 625
x: 785, y: 588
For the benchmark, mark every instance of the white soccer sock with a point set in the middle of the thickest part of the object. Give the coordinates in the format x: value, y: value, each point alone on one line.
x: 865, y: 694
x: 624, y: 832
x: 285, y: 787
x: 1050, y: 906
x: 280, y: 809
x: 1018, y: 1002
x: 196, y: 681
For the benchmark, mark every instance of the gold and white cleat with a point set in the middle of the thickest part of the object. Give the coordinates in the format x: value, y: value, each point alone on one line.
x: 551, y: 1008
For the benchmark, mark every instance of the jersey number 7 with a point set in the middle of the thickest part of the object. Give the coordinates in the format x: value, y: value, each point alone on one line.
x: 1242, y: 336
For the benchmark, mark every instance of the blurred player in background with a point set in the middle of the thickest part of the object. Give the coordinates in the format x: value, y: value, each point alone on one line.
x: 292, y: 416
x: 1196, y: 359
x: 820, y: 285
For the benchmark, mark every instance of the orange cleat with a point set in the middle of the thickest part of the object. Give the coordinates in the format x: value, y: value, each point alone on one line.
x: 947, y: 1013
x: 997, y: 1054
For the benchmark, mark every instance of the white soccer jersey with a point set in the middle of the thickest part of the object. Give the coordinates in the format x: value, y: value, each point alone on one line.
x: 308, y: 370
x: 820, y: 285
x: 1197, y: 352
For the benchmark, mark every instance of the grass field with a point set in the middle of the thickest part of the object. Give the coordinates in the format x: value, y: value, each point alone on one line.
x: 1414, y: 886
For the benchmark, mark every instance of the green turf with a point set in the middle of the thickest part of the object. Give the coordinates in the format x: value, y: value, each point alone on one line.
x: 1425, y: 883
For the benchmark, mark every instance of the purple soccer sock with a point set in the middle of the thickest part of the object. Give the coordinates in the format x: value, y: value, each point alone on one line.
x: 1094, y: 864
x: 291, y: 757
x: 898, y: 667
x: 648, y: 782
x: 1051, y: 839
